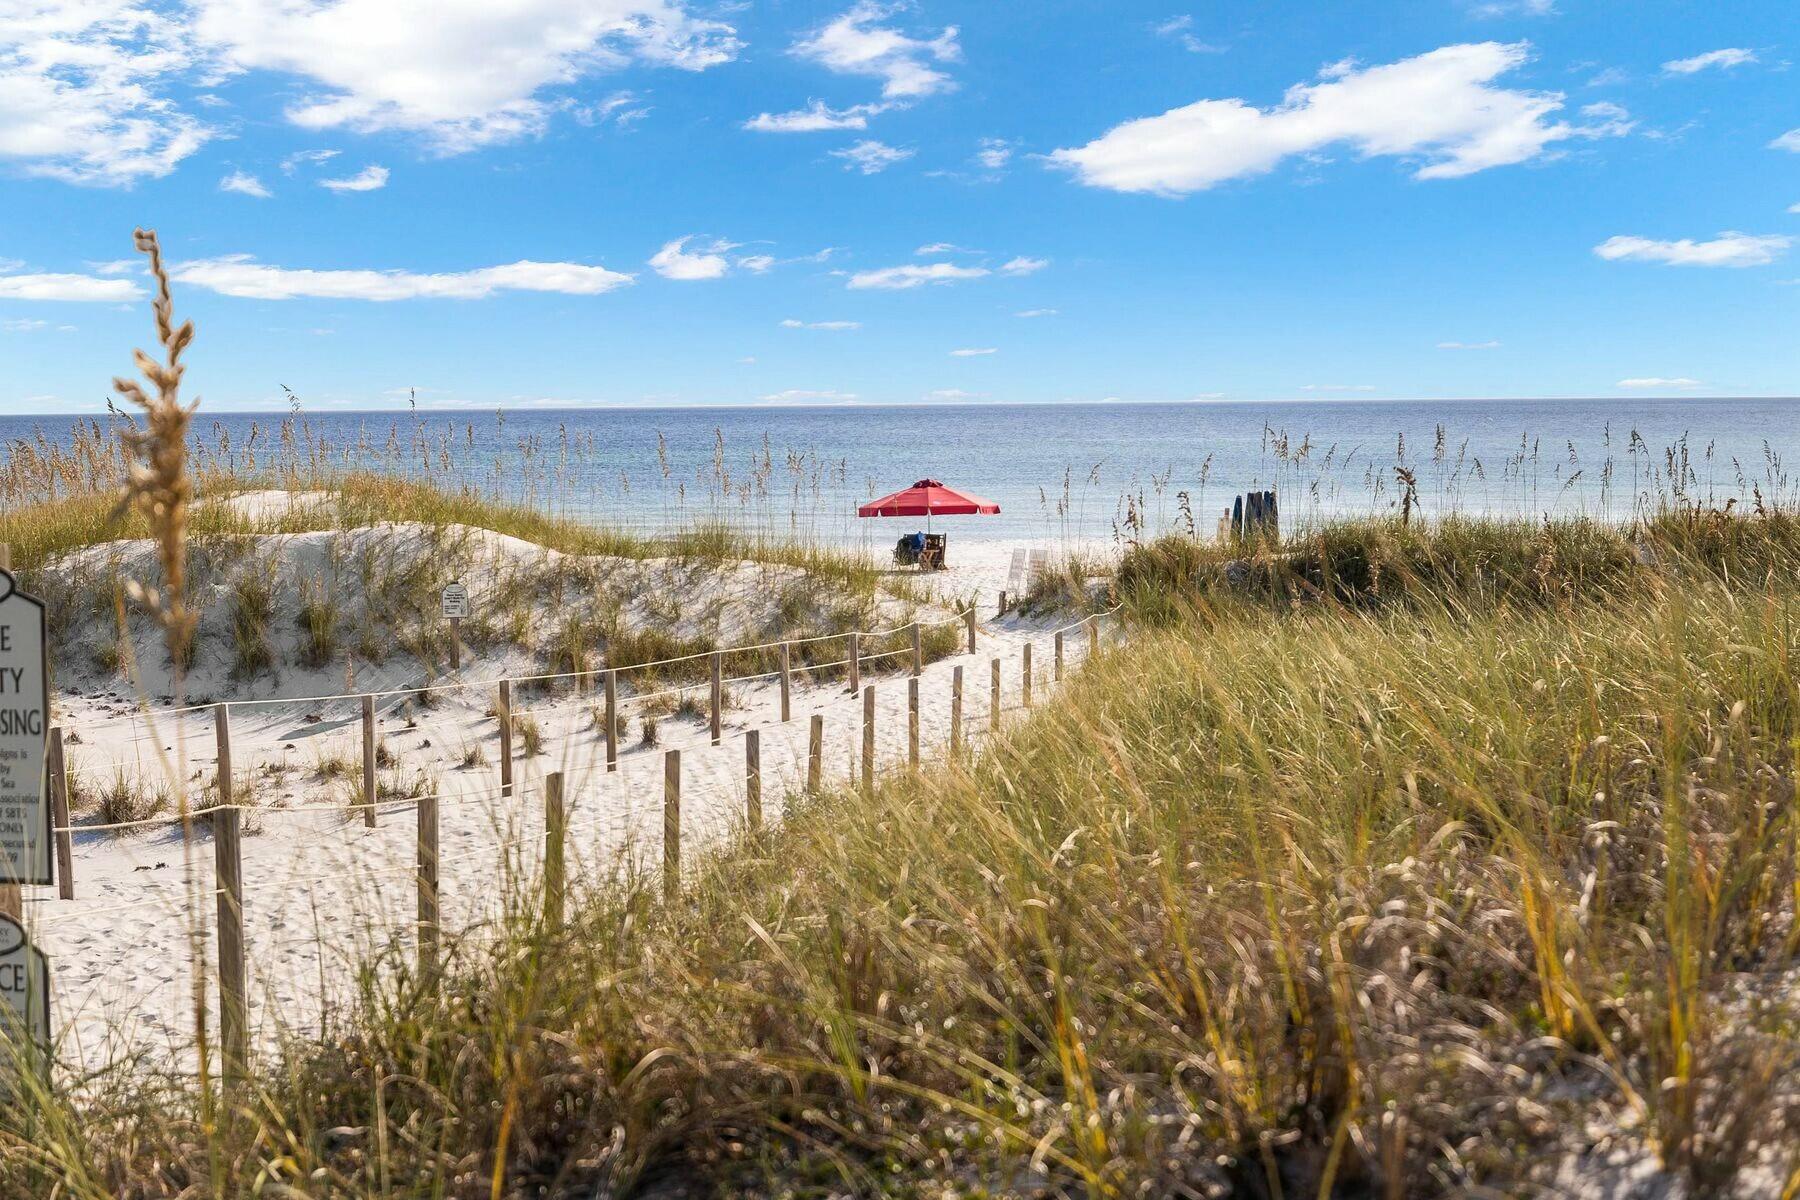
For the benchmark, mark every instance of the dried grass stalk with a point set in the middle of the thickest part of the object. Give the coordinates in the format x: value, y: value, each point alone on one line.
x: 157, y: 483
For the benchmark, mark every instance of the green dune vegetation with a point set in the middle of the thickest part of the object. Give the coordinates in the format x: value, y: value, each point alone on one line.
x: 1453, y: 859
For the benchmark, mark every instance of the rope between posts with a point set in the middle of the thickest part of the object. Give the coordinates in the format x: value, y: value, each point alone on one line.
x: 497, y: 791
x: 172, y: 819
x: 456, y: 685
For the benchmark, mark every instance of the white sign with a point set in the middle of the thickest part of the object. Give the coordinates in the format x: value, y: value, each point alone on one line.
x: 456, y: 602
x: 24, y: 737
x: 24, y: 984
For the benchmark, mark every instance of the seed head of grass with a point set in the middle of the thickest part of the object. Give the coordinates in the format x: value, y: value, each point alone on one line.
x: 157, y: 484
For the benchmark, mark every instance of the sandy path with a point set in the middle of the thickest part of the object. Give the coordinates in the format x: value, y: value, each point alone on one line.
x: 322, y: 892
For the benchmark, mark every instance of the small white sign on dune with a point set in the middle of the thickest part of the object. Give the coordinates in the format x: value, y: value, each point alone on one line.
x: 24, y: 737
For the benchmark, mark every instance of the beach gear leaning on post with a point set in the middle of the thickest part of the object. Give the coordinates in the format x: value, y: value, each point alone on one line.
x: 926, y: 498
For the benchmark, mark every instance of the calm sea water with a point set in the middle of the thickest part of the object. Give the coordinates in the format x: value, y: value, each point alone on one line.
x: 1056, y: 470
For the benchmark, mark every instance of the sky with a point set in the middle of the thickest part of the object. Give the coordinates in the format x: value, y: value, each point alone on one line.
x: 465, y: 204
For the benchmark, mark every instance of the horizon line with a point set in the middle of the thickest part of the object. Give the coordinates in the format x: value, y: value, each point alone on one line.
x: 851, y: 406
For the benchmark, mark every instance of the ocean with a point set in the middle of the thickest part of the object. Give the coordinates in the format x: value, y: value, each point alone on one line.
x: 1062, y: 471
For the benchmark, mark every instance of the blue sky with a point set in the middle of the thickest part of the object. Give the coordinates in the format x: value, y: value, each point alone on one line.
x: 655, y: 202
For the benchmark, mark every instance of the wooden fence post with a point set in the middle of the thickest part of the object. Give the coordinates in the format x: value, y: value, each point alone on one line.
x: 1025, y: 676
x: 612, y: 720
x: 753, y: 779
x: 969, y: 620
x: 222, y: 739
x: 671, y: 824
x: 555, y: 826
x: 368, y: 782
x: 1003, y: 602
x: 428, y: 885
x: 994, y: 698
x: 956, y: 677
x: 717, y: 665
x: 912, y: 723
x: 59, y: 816
x: 787, y: 681
x: 815, y: 753
x: 228, y: 875
x: 855, y: 663
x: 1057, y: 673
x: 868, y: 742
x: 918, y: 649
x: 503, y: 709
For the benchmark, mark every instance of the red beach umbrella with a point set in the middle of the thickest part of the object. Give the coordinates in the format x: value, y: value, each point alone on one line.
x: 928, y: 498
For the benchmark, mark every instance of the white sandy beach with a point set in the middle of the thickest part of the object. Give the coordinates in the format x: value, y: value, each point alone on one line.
x: 322, y: 890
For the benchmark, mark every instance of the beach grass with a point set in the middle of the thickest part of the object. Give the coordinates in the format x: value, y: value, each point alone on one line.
x: 1473, y: 873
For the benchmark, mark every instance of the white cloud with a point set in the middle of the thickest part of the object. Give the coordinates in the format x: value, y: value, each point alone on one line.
x: 975, y: 352
x: 757, y: 264
x: 23, y: 325
x: 953, y: 394
x: 806, y: 395
x: 815, y: 117
x: 1787, y: 141
x: 913, y: 275
x: 1610, y: 120
x: 870, y: 156
x: 85, y: 84
x: 1794, y: 208
x: 1023, y: 265
x: 463, y: 73
x: 1729, y: 249
x: 994, y: 153
x: 301, y: 157
x: 80, y: 91
x: 1723, y: 59
x: 1439, y: 109
x: 854, y: 44
x: 674, y: 262
x: 622, y: 108
x: 936, y: 248
x: 1654, y: 381
x: 792, y: 323
x: 241, y: 276
x: 244, y: 184
x: 1036, y: 312
x: 1181, y: 29
x: 369, y: 179
x: 73, y: 288
x: 1468, y: 345
x: 1337, y: 387
x: 117, y: 266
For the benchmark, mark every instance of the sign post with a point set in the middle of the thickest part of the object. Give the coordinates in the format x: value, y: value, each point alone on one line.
x: 24, y: 990
x: 25, y: 848
x: 456, y: 609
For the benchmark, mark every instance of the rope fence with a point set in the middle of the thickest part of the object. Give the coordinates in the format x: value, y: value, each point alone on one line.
x: 144, y: 715
x: 587, y: 800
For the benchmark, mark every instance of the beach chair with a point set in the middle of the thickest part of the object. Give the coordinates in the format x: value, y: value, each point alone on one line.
x: 1015, y: 574
x: 1038, y: 563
